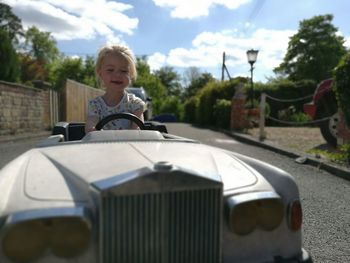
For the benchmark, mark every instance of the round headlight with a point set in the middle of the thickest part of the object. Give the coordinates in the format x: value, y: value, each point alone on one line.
x: 70, y: 236
x: 243, y: 218
x: 26, y: 241
x: 270, y: 213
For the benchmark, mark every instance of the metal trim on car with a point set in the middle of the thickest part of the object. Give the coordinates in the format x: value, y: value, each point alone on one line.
x: 47, y: 213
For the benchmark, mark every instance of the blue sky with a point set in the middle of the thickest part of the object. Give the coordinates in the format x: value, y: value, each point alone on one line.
x: 182, y: 33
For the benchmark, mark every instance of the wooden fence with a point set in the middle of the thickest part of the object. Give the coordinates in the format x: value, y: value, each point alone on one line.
x: 74, y: 99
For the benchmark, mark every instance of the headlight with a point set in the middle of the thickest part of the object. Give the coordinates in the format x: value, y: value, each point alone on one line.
x: 245, y: 212
x: 69, y: 236
x: 66, y: 237
x: 26, y: 241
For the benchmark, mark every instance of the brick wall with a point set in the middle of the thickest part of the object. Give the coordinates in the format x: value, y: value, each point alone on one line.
x: 24, y: 109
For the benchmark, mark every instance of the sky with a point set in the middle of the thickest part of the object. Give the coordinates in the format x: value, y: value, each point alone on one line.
x: 182, y: 33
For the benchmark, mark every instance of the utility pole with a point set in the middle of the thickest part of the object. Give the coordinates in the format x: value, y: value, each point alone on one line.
x: 224, y: 68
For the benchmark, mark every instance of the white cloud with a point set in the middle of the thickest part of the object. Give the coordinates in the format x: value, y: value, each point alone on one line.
x: 157, y: 60
x: 72, y: 19
x: 208, y: 47
x: 196, y: 8
x: 347, y: 42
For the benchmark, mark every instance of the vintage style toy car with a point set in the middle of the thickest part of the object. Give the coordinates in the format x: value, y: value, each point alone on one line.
x: 145, y: 196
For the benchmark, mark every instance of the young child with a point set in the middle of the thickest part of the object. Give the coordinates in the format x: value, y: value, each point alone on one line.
x: 115, y: 69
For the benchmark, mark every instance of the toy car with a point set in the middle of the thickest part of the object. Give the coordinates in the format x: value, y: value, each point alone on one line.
x: 145, y: 196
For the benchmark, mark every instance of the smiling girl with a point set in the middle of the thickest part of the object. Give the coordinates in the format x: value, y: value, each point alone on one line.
x: 115, y: 69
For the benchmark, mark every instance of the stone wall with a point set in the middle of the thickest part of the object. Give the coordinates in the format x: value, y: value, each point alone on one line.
x: 24, y: 109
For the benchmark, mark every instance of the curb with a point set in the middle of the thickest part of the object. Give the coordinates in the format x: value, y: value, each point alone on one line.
x: 307, y: 159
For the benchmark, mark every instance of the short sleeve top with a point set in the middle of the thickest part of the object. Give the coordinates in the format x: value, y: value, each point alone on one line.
x: 129, y: 104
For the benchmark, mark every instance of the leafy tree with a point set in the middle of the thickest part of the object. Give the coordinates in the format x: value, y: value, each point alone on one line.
x: 342, y: 86
x: 170, y: 79
x: 9, y: 71
x: 31, y: 69
x: 198, y: 83
x: 314, y: 51
x: 10, y: 23
x: 172, y: 104
x: 42, y: 46
x: 151, y: 83
x: 72, y: 68
x: 40, y: 53
x: 89, y: 76
x: 191, y: 74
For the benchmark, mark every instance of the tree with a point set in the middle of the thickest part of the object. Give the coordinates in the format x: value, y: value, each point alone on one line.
x: 72, y: 68
x: 40, y: 53
x: 10, y: 23
x: 170, y: 79
x: 31, y: 69
x: 190, y: 74
x: 41, y: 45
x: 89, y: 76
x: 151, y: 83
x: 198, y: 83
x: 9, y: 66
x: 314, y: 51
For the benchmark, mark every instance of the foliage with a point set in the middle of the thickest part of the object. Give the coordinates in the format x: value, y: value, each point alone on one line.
x: 190, y: 74
x: 342, y: 86
x: 299, y: 117
x: 190, y: 108
x: 222, y: 111
x: 170, y: 79
x: 9, y: 71
x: 284, y: 89
x: 41, y: 45
x: 31, y: 69
x: 150, y: 83
x: 68, y: 68
x: 341, y: 157
x: 10, y: 23
x: 313, y: 51
x: 89, y: 76
x: 172, y: 104
x: 197, y: 83
x: 208, y: 96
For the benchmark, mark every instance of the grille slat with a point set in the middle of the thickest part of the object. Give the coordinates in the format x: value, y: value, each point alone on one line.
x: 169, y: 227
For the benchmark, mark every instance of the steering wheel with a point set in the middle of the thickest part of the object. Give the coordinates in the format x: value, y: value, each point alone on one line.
x: 129, y: 116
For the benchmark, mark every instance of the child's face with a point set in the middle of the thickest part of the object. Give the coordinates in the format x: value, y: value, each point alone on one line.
x: 114, y: 72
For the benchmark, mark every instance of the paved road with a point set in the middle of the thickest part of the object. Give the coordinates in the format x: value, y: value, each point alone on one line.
x: 326, y: 198
x: 10, y: 150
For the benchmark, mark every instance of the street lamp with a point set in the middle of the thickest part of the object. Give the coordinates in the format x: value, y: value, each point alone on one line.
x: 252, y: 56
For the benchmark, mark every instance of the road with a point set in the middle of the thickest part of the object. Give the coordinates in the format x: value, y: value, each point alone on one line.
x: 325, y: 198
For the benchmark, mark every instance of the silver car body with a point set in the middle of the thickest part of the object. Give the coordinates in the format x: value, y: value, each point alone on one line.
x: 148, y: 197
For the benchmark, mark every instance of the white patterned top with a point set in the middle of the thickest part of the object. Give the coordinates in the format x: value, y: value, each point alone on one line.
x: 97, y: 107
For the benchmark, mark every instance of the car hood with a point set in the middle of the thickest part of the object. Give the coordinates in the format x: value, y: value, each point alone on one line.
x: 63, y: 172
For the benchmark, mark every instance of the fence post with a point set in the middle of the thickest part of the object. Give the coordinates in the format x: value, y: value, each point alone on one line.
x: 262, y: 134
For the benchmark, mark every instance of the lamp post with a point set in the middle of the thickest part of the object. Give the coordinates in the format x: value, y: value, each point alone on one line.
x: 252, y: 56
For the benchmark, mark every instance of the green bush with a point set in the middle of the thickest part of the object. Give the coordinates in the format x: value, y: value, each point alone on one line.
x: 208, y: 96
x: 299, y: 117
x: 190, y: 109
x: 222, y: 112
x: 172, y: 105
x: 342, y: 86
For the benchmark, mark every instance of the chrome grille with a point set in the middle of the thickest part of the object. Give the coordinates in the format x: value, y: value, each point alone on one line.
x: 172, y: 227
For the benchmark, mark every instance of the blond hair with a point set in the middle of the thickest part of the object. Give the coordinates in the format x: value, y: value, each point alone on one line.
x: 120, y: 50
